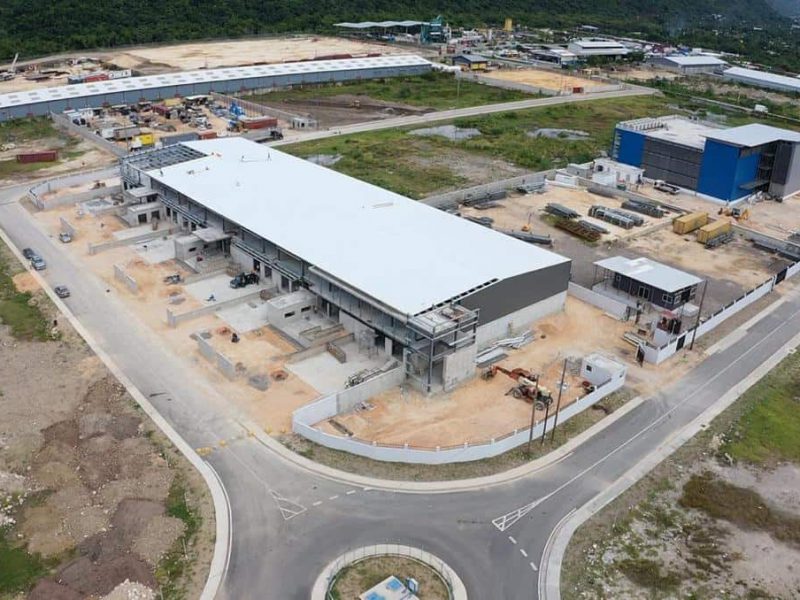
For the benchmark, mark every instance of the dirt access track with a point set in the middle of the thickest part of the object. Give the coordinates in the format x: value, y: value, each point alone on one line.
x: 547, y: 79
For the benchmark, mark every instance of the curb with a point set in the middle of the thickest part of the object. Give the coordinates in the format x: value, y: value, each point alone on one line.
x: 320, y: 589
x: 556, y: 545
x: 441, y: 487
x: 222, y: 510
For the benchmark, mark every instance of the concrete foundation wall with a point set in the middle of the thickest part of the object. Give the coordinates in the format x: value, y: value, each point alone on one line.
x: 174, y: 319
x: 349, y: 399
x: 516, y: 322
x: 613, y: 307
x: 67, y: 227
x: 459, y: 367
x: 129, y: 282
x: 151, y: 235
x: 222, y: 362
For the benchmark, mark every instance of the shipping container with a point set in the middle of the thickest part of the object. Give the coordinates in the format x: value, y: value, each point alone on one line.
x: 258, y: 122
x: 207, y: 135
x: 121, y: 74
x: 690, y: 222
x: 96, y: 77
x: 146, y: 139
x: 712, y: 230
x: 126, y: 133
x: 36, y: 157
x: 172, y: 102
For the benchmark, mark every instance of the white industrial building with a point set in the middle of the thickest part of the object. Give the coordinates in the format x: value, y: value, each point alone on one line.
x: 429, y: 287
x: 762, y: 79
x: 688, y: 65
x: 585, y: 48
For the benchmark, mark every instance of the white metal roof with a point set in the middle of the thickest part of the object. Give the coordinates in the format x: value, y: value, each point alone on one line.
x: 97, y: 88
x: 762, y: 77
x: 402, y: 253
x: 371, y: 24
x: 650, y: 272
x: 598, y: 44
x: 755, y: 134
x: 695, y: 61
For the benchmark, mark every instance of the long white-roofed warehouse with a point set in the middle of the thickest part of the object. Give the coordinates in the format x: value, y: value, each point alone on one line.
x: 428, y: 287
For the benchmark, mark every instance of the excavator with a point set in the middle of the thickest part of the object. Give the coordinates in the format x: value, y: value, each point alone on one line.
x: 527, y: 387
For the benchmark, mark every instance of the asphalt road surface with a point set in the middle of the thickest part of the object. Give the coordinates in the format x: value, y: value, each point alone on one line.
x: 287, y: 522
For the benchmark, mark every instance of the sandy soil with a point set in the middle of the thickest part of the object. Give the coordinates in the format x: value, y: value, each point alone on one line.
x: 245, y: 52
x: 518, y: 210
x: 87, y: 154
x: 645, y: 74
x: 479, y: 410
x: 545, y: 78
x: 95, y: 475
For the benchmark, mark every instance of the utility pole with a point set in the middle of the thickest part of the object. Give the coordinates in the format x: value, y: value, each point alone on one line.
x: 533, y: 415
x: 558, y: 404
x: 699, y: 312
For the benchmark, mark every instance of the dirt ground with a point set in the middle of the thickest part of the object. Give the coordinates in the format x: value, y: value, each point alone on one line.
x: 645, y: 74
x: 74, y: 156
x: 480, y: 410
x: 95, y: 474
x: 547, y: 79
x: 262, y: 351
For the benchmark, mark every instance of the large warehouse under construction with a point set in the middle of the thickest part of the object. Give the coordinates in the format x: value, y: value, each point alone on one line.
x: 430, y: 286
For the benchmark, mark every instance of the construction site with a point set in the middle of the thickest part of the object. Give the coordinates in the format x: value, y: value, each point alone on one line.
x: 556, y: 81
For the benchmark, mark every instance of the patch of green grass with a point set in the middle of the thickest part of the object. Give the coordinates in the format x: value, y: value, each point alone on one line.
x: 173, y: 566
x: 18, y: 309
x: 395, y: 160
x: 768, y: 431
x: 435, y: 90
x: 740, y: 506
x: 19, y: 570
x: 12, y: 167
x: 648, y: 574
x: 25, y: 130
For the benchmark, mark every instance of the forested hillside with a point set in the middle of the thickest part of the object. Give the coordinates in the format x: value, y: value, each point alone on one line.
x: 36, y: 27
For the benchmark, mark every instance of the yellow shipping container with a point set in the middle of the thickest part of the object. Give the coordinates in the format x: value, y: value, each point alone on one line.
x: 712, y: 230
x: 147, y: 139
x: 690, y: 222
x: 172, y: 101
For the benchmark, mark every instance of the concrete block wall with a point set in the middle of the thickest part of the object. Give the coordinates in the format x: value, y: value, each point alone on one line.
x: 617, y: 309
x: 459, y: 367
x: 67, y: 227
x: 350, y: 398
x: 222, y: 362
x: 130, y: 241
x: 517, y: 322
x: 453, y: 199
x: 123, y: 277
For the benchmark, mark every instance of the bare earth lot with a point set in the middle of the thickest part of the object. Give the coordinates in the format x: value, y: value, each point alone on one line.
x: 546, y: 78
x: 98, y: 499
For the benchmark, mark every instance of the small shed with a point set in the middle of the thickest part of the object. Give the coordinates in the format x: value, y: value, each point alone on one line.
x: 471, y: 62
x: 599, y: 370
x: 648, y: 280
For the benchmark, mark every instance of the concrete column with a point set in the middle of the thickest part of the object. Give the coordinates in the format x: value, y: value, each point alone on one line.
x: 387, y: 345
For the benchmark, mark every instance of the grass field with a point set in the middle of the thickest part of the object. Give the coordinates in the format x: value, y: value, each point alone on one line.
x: 25, y: 130
x: 17, y: 309
x: 390, y: 158
x: 435, y: 90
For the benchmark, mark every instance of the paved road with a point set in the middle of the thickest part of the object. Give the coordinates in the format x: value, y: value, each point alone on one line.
x: 448, y: 115
x: 287, y: 523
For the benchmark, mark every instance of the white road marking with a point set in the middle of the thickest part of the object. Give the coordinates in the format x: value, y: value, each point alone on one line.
x: 317, y: 503
x: 534, y: 567
x: 505, y: 521
x: 334, y: 497
x: 522, y: 551
x: 349, y: 492
x: 512, y: 540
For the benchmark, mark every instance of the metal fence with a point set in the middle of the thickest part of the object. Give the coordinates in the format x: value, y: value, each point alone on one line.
x: 357, y: 555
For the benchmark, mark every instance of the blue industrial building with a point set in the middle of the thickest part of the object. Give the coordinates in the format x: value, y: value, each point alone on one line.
x: 724, y: 164
x: 190, y: 83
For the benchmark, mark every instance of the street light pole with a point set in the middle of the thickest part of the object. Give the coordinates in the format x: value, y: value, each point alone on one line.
x: 699, y: 312
x: 558, y: 404
x: 533, y: 415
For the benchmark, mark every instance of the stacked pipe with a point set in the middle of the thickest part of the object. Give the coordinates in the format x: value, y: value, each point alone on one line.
x: 646, y: 208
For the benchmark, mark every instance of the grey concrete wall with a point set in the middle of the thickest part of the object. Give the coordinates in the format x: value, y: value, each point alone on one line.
x: 222, y: 362
x: 516, y: 322
x: 123, y: 277
x: 37, y: 191
x: 67, y: 227
x: 350, y: 398
x: 151, y: 235
x: 86, y: 133
x: 456, y: 197
x: 613, y: 307
x: 757, y: 236
x: 458, y: 367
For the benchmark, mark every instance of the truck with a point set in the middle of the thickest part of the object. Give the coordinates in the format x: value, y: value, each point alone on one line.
x: 243, y: 280
x: 663, y: 186
x: 126, y: 133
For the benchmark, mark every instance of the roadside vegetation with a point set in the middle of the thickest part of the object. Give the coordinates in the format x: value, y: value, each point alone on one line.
x: 434, y: 90
x: 357, y: 578
x: 686, y: 529
x: 418, y: 166
x: 31, y: 134
x: 173, y: 570
x: 19, y: 310
x: 412, y: 472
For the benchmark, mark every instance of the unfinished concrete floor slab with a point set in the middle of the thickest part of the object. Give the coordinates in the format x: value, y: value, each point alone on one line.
x: 219, y: 286
x: 327, y: 375
x: 247, y: 316
x: 156, y: 251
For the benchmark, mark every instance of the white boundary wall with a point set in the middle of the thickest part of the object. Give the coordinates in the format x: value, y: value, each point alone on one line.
x: 613, y: 307
x: 303, y: 420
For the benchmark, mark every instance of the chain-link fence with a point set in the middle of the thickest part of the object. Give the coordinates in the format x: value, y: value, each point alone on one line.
x: 380, y: 550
